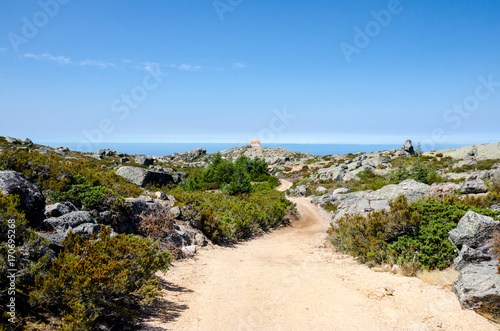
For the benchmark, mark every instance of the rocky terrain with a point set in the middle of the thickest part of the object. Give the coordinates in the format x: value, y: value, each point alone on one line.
x: 348, y: 184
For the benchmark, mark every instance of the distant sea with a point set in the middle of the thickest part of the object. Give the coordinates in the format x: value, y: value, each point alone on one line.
x: 160, y: 149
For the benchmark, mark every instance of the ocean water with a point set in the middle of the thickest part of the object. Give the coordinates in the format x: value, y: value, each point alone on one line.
x: 160, y: 149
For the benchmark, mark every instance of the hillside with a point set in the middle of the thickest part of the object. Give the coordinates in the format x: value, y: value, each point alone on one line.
x: 360, y: 224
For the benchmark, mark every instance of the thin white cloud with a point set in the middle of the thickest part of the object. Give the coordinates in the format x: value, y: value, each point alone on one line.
x: 188, y: 67
x: 49, y: 57
x: 97, y: 64
x: 239, y: 65
x: 65, y: 60
x: 151, y: 66
x: 3, y: 49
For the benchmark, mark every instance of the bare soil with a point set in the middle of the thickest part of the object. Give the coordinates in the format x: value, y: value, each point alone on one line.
x: 291, y: 280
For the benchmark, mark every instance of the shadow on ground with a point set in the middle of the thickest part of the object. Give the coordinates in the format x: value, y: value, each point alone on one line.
x: 164, y: 310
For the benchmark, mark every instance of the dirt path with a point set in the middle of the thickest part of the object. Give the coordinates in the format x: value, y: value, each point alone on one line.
x: 285, y: 280
x: 285, y: 185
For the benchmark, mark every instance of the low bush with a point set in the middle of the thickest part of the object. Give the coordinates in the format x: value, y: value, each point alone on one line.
x: 98, y: 280
x: 86, y: 196
x: 481, y: 165
x: 227, y: 218
x: 368, y: 180
x: 53, y: 172
x: 232, y: 177
x: 157, y: 223
x: 413, y: 235
x: 30, y: 255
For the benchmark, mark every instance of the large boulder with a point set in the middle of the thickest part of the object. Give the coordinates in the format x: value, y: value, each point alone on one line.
x: 443, y: 189
x: 32, y: 199
x: 59, y: 209
x: 144, y: 160
x: 473, y: 230
x: 478, y: 286
x: 11, y: 140
x: 64, y: 223
x: 364, y: 202
x: 143, y: 177
x: 473, y: 185
x: 195, y: 153
x: 185, y: 240
x: 408, y: 147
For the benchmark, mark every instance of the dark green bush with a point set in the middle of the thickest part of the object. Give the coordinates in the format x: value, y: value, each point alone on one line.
x: 368, y: 180
x: 87, y: 196
x: 98, y: 280
x: 233, y: 178
x: 31, y: 257
x: 53, y: 172
x: 408, y: 234
x: 481, y: 165
x: 228, y: 218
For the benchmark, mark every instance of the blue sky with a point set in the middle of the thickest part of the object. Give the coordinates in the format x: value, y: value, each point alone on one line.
x: 234, y: 70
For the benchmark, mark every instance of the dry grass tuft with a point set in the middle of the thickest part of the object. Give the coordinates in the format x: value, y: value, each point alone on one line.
x: 439, y: 278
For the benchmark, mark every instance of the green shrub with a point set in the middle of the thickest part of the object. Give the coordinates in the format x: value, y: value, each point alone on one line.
x: 414, y: 235
x: 98, y: 280
x: 304, y: 181
x: 439, y: 155
x: 233, y: 178
x: 227, y: 218
x: 86, y: 196
x: 368, y: 180
x: 330, y: 207
x: 53, y: 172
x: 481, y: 165
x: 31, y: 257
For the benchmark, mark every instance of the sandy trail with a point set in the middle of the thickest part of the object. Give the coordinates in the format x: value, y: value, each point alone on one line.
x: 286, y: 280
x: 284, y: 185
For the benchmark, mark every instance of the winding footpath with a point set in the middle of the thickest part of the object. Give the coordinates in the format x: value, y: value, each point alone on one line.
x: 289, y: 280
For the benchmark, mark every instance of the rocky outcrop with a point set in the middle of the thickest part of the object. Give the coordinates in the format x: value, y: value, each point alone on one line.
x: 67, y: 222
x: 473, y: 185
x: 59, y: 209
x: 144, y: 160
x: 143, y: 177
x: 189, y: 156
x: 408, y: 147
x: 276, y: 159
x: 443, y: 189
x: 478, y: 286
x: 364, y: 202
x: 473, y: 230
x: 479, y: 152
x: 32, y: 199
x: 343, y: 172
x: 185, y: 240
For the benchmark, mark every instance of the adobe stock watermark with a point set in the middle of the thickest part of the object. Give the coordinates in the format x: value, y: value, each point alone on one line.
x: 11, y: 271
x: 278, y: 123
x: 223, y: 6
x: 364, y: 36
x: 121, y: 108
x: 31, y: 26
x: 455, y: 116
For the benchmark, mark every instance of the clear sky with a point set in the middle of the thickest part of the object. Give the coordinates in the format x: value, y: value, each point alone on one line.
x: 234, y: 70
